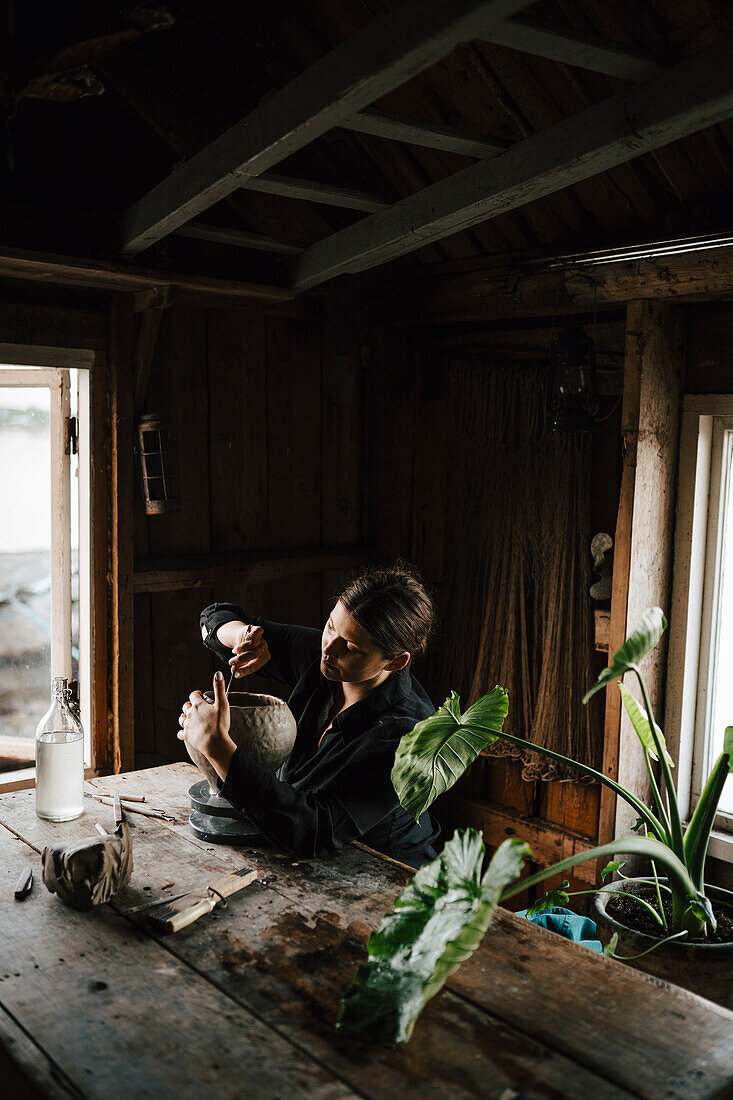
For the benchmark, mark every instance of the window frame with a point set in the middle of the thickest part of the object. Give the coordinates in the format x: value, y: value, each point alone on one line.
x: 93, y: 476
x: 693, y: 598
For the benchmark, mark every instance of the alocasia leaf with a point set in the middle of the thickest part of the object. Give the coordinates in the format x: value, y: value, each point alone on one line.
x: 439, y: 919
x: 433, y: 755
x: 612, y: 867
x: 640, y: 642
x: 552, y: 898
x: 640, y: 721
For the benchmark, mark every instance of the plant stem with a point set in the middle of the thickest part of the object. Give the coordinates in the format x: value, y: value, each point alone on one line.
x: 657, y: 795
x: 626, y: 894
x: 654, y: 946
x: 659, y: 895
x: 584, y: 769
x: 676, y: 839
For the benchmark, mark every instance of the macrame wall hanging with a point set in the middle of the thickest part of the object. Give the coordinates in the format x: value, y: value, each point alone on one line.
x: 516, y: 608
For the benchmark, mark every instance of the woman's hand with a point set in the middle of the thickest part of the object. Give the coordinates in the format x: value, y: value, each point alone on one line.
x: 205, y: 727
x: 251, y: 652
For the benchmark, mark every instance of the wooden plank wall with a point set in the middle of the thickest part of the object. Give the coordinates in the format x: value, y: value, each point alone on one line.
x: 269, y: 424
x: 408, y: 478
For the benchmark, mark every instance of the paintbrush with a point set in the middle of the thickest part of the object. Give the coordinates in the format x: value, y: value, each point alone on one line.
x: 177, y: 913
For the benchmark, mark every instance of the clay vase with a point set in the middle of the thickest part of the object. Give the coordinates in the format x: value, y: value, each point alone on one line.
x: 263, y: 726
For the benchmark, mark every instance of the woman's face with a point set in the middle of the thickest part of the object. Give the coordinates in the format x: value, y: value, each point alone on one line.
x: 349, y: 653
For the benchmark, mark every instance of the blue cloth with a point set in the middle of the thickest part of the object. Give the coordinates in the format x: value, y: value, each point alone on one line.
x: 568, y: 924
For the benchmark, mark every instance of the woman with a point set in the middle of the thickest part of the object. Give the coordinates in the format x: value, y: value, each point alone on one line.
x: 353, y: 697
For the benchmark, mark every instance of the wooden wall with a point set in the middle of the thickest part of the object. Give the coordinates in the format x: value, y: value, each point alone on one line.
x: 269, y: 425
x: 409, y: 470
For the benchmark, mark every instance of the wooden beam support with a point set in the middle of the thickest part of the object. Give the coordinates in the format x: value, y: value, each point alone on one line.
x: 326, y: 194
x: 161, y: 298
x: 252, y: 567
x: 384, y: 54
x: 429, y: 135
x: 584, y: 51
x: 121, y: 621
x: 696, y: 94
x: 458, y: 293
x: 102, y: 275
x: 240, y: 238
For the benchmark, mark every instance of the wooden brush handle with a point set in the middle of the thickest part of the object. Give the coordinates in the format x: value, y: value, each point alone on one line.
x: 181, y: 920
x: 229, y: 884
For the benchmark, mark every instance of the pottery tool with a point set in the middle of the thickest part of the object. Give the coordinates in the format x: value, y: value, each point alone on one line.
x: 231, y: 678
x: 146, y: 811
x: 177, y: 913
x: 24, y: 885
x: 117, y: 810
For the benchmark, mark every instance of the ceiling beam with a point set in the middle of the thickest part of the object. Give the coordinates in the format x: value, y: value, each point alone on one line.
x: 348, y: 198
x: 695, y: 94
x: 427, y: 134
x: 585, y: 51
x: 381, y: 56
x: 240, y: 238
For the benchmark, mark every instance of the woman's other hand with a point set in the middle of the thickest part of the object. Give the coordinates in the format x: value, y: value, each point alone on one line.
x: 205, y: 726
x: 251, y: 652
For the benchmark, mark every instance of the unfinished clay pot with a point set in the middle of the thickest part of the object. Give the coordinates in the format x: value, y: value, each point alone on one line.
x: 262, y: 725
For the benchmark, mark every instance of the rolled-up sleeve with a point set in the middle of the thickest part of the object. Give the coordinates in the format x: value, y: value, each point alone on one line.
x: 292, y: 648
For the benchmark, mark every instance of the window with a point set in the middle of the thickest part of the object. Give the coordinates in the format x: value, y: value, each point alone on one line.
x: 44, y: 552
x: 700, y: 671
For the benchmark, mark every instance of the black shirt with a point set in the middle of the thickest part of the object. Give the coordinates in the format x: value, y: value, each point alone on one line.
x: 330, y: 791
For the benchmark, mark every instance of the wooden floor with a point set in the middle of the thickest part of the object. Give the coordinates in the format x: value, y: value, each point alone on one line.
x: 243, y: 1003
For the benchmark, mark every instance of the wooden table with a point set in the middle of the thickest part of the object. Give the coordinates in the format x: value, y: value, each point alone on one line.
x: 243, y: 1003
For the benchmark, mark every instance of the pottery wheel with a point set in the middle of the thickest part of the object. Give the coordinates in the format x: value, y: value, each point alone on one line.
x: 215, y: 820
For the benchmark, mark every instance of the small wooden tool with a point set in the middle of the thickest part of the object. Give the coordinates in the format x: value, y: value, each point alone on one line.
x: 180, y: 912
x: 118, y: 810
x: 24, y: 885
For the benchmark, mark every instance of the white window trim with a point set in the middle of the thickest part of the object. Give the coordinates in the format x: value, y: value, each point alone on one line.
x: 56, y: 379
x: 687, y: 610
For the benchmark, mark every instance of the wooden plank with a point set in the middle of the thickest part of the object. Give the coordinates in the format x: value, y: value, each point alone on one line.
x: 660, y: 355
x: 238, y: 238
x: 250, y: 567
x: 327, y: 194
x: 480, y: 292
x: 25, y: 1068
x: 136, y: 1039
x: 99, y: 528
x: 430, y: 135
x: 121, y: 641
x: 180, y: 387
x: 295, y: 447
x: 102, y: 275
x: 621, y: 561
x: 570, y: 47
x: 549, y: 843
x: 342, y: 460
x: 385, y: 53
x: 289, y: 947
x: 290, y: 960
x: 30, y: 324
x: 695, y: 94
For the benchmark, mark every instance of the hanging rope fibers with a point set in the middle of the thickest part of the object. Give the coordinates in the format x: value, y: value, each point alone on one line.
x: 516, y: 609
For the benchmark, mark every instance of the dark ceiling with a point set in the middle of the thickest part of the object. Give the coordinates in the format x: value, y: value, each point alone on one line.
x: 68, y: 169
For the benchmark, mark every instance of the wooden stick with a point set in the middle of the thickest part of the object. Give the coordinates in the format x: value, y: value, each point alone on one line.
x: 100, y: 829
x: 147, y: 811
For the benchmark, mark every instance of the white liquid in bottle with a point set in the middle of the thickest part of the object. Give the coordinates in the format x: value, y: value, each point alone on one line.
x: 60, y: 758
x: 60, y: 776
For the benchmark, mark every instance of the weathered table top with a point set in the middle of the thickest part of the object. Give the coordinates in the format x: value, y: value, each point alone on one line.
x: 243, y: 1003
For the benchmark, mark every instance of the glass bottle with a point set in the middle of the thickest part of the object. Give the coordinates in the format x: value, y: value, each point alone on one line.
x: 60, y: 758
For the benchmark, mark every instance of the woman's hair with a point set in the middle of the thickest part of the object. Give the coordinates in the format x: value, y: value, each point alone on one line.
x: 392, y: 605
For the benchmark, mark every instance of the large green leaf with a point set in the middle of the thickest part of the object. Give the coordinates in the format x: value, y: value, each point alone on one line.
x: 432, y: 756
x: 439, y: 919
x: 640, y: 721
x: 640, y: 642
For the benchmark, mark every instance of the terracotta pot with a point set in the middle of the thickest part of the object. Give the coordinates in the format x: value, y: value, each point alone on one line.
x: 703, y: 968
x: 262, y: 725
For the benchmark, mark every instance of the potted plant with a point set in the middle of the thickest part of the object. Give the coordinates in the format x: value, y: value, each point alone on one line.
x: 448, y: 895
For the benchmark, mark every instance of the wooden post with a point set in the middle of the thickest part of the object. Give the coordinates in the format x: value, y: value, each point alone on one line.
x: 121, y: 643
x: 643, y: 548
